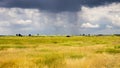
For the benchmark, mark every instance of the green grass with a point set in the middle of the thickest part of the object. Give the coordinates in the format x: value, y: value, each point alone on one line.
x: 60, y: 52
x: 111, y: 49
x: 75, y: 40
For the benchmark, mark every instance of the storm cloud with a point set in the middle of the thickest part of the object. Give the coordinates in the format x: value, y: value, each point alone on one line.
x: 59, y: 17
x: 54, y: 5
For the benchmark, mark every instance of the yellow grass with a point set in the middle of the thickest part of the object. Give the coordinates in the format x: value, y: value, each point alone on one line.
x: 60, y: 52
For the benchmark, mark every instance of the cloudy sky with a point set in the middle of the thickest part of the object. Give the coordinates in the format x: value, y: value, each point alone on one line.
x: 59, y: 17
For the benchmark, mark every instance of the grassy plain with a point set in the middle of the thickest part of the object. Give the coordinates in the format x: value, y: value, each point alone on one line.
x: 60, y: 52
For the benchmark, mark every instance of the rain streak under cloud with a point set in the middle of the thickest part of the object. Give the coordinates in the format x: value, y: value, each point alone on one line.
x: 59, y: 17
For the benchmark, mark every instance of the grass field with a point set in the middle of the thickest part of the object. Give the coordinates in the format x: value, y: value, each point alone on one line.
x: 60, y: 52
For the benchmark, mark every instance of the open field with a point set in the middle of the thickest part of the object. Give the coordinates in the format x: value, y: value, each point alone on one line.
x: 60, y: 52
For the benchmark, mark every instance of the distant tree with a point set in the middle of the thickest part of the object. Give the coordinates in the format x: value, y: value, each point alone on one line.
x: 100, y: 35
x: 88, y: 34
x: 83, y: 34
x: 20, y: 35
x: 37, y: 34
x: 117, y: 34
x: 29, y: 35
x: 17, y: 34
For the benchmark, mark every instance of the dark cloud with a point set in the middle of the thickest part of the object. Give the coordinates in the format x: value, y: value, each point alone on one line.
x: 54, y: 5
x: 97, y: 16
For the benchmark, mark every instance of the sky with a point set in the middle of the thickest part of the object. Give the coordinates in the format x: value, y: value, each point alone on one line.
x: 59, y: 17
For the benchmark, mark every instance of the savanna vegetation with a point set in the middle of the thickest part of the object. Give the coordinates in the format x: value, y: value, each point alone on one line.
x: 60, y: 52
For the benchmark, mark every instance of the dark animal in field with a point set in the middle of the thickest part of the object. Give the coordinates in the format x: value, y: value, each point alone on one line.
x: 68, y: 36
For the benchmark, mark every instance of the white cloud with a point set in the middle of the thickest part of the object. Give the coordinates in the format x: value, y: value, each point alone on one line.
x: 102, y: 15
x: 24, y: 22
x: 89, y: 25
